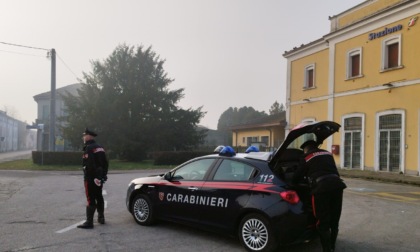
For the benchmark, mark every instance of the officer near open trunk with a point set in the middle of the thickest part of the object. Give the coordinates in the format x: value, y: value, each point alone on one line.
x: 95, y: 169
x: 318, y: 166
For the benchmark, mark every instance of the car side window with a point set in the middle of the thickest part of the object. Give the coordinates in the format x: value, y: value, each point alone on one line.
x: 195, y: 170
x: 230, y: 170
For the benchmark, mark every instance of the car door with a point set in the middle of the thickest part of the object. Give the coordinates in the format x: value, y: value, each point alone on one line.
x: 226, y: 193
x: 178, y: 193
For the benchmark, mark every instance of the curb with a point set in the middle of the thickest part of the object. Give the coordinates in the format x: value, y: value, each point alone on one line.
x: 388, y: 177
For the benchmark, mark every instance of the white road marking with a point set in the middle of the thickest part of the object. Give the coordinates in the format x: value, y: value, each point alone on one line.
x: 69, y: 228
x: 361, y: 189
x: 75, y: 225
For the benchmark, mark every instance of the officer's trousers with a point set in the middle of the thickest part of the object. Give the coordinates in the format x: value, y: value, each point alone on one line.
x: 327, y: 209
x: 94, y: 195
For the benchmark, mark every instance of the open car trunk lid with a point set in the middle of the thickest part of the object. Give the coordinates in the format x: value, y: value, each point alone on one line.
x: 319, y: 131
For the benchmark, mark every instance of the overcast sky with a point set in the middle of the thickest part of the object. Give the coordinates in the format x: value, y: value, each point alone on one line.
x: 224, y: 53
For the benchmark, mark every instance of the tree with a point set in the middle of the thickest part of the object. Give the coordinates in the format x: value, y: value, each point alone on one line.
x: 235, y: 116
x: 276, y: 108
x: 126, y: 99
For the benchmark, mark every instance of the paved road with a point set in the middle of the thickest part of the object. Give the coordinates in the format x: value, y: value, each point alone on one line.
x: 39, y: 210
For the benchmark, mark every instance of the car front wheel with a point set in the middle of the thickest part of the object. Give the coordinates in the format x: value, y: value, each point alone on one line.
x: 255, y: 233
x: 142, y: 210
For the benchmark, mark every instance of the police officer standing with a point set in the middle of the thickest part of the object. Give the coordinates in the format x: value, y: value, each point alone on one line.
x: 95, y: 168
x: 318, y: 166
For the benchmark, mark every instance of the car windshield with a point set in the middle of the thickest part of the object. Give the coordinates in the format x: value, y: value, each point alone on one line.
x: 300, y: 140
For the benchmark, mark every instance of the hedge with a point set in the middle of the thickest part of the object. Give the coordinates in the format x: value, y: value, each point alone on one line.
x: 56, y: 158
x: 75, y: 158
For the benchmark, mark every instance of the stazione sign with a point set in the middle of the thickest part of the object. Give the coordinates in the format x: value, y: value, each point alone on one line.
x: 385, y: 32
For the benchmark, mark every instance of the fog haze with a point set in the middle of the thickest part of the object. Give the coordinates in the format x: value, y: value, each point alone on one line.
x: 223, y: 53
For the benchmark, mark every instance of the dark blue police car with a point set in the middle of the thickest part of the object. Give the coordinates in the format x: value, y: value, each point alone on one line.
x: 245, y: 194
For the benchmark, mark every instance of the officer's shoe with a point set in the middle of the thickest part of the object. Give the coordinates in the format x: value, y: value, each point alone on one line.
x: 101, y: 219
x: 86, y: 225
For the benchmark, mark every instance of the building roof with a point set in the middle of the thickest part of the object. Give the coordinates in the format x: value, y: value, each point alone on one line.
x: 72, y: 89
x: 335, y: 28
x: 269, y: 121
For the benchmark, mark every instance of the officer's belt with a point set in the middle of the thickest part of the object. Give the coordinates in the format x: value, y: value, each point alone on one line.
x: 319, y: 179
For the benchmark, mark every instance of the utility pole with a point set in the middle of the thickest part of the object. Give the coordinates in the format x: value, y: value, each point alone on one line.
x: 52, y: 103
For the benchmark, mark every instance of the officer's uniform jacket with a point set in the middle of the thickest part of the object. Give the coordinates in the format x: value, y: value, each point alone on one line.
x: 318, y: 166
x: 95, y: 164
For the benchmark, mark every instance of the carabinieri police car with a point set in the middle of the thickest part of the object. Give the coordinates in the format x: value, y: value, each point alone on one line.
x: 245, y: 194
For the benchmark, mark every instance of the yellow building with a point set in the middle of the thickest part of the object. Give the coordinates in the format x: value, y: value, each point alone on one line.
x: 365, y: 75
x: 266, y: 133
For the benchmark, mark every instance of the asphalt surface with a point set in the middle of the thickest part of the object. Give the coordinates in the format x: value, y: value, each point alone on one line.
x: 388, y: 177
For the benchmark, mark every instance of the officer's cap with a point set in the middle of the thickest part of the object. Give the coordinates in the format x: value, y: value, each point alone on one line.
x: 89, y: 132
x: 309, y: 142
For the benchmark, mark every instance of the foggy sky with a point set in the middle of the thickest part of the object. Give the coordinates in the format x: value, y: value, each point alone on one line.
x: 224, y: 53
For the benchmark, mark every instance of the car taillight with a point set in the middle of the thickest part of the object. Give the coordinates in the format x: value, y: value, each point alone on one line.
x: 290, y: 196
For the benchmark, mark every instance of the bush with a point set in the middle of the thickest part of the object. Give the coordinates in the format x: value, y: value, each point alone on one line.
x: 175, y: 157
x: 56, y: 158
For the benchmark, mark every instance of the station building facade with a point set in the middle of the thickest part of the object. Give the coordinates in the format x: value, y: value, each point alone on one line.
x: 265, y: 133
x: 365, y: 75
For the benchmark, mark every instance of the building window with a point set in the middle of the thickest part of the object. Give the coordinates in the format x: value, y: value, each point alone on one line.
x: 309, y: 76
x: 354, y: 63
x: 45, y: 112
x: 251, y: 140
x: 264, y: 139
x: 391, y: 53
x: 390, y: 128
x: 353, y: 128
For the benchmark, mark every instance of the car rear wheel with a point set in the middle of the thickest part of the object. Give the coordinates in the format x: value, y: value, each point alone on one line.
x: 142, y: 210
x: 255, y: 233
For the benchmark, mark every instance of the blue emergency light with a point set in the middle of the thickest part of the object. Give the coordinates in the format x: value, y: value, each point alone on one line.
x: 218, y: 149
x: 252, y: 149
x: 227, y: 151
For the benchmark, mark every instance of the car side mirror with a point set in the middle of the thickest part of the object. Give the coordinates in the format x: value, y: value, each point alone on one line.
x: 168, y: 176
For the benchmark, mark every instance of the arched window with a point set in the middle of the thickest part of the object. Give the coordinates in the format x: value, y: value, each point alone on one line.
x: 391, y: 53
x: 390, y: 141
x: 353, y: 141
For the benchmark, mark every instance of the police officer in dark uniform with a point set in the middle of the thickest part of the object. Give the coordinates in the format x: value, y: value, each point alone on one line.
x: 318, y: 166
x: 95, y: 168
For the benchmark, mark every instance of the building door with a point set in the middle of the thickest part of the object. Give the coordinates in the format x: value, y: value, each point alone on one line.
x: 390, y: 127
x: 352, y: 142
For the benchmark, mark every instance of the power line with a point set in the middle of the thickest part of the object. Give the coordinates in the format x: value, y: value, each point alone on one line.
x: 75, y: 75
x: 38, y: 48
x: 22, y: 53
x: 31, y: 47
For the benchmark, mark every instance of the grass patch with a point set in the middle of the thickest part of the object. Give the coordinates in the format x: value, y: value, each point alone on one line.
x: 27, y: 164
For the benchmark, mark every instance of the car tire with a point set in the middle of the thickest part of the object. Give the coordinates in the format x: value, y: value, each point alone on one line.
x: 142, y: 210
x: 255, y: 233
